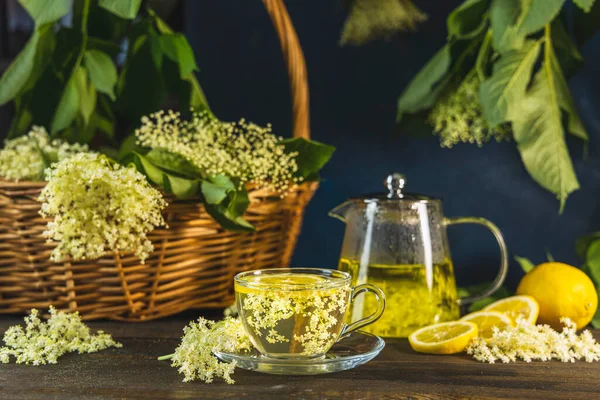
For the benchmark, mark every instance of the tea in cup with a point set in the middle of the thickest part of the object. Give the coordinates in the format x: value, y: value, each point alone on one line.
x: 299, y: 312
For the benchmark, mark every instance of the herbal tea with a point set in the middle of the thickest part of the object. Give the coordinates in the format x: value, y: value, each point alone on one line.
x: 414, y: 298
x: 289, y: 314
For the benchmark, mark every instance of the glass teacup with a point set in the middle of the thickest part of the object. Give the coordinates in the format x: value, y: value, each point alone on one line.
x: 299, y: 312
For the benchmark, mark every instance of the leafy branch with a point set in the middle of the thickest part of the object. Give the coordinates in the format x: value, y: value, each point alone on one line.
x: 503, y: 74
x: 66, y: 78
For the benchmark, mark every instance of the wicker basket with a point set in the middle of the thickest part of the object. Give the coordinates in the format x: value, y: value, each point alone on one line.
x: 193, y: 262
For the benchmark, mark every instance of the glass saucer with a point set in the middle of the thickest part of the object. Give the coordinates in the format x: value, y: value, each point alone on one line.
x: 353, y: 350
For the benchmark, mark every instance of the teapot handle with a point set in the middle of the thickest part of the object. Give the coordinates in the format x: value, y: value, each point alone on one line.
x: 503, y: 255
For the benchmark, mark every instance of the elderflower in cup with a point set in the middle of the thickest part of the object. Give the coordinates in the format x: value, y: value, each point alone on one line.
x: 299, y: 313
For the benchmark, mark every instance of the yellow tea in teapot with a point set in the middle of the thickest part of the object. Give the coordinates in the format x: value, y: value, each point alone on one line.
x: 415, y: 296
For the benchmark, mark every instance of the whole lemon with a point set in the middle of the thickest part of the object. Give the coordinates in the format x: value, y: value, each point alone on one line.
x: 561, y: 291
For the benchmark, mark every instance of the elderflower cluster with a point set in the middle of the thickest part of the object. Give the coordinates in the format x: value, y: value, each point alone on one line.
x: 194, y: 357
x: 529, y: 342
x: 240, y: 150
x: 316, y: 317
x: 26, y: 157
x: 98, y: 206
x: 457, y: 116
x: 43, y: 343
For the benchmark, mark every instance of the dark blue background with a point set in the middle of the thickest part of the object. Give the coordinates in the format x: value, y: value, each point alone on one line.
x: 353, y: 99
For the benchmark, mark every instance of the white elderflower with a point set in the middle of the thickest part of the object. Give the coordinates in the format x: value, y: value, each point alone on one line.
x: 242, y: 150
x: 44, y: 342
x: 457, y: 117
x: 194, y: 357
x: 26, y: 157
x: 98, y: 206
x: 529, y: 342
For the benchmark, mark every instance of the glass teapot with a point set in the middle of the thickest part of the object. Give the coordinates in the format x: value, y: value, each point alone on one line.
x: 397, y: 241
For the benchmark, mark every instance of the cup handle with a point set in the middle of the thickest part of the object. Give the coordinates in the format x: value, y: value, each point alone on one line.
x: 365, y: 287
x: 503, y: 255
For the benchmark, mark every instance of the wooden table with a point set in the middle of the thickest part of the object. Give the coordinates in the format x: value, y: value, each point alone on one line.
x: 397, y: 373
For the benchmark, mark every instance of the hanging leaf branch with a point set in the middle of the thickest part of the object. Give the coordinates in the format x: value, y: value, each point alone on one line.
x: 66, y: 77
x: 502, y: 75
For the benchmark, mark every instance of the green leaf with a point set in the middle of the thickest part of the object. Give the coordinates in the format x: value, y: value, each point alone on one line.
x: 484, y: 57
x: 177, y: 48
x: 583, y: 243
x: 501, y: 94
x: 216, y: 190
x: 173, y: 162
x: 103, y: 72
x: 585, y: 25
x: 19, y: 71
x: 87, y: 95
x: 593, y: 260
x: 575, y: 126
x: 229, y: 212
x: 450, y: 63
x: 152, y: 172
x: 141, y: 88
x: 501, y: 293
x: 424, y: 89
x: 129, y: 145
x: 596, y: 319
x: 566, y: 50
x: 539, y: 133
x: 312, y: 156
x: 526, y: 264
x: 46, y: 11
x: 181, y: 187
x: 104, y: 46
x: 67, y: 107
x: 188, y: 90
x: 549, y: 256
x: 513, y: 20
x: 126, y: 9
x: 156, y: 50
x: 585, y: 5
x: 468, y: 20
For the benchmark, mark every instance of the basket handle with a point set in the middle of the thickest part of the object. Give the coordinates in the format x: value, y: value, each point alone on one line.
x: 296, y: 66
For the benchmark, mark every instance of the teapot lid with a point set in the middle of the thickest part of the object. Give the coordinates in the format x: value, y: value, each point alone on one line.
x: 395, y: 185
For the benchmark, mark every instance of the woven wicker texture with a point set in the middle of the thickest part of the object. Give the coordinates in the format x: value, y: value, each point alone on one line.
x: 194, y: 260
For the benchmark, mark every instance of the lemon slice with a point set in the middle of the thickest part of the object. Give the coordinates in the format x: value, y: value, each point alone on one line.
x: 487, y: 320
x: 517, y: 306
x: 445, y: 338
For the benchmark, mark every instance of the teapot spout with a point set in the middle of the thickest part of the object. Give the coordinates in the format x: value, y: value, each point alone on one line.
x: 340, y: 212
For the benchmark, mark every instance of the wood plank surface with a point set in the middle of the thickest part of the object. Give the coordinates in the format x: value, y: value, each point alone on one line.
x: 397, y: 373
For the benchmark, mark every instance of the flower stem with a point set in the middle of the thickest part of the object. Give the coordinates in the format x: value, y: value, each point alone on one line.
x: 167, y: 357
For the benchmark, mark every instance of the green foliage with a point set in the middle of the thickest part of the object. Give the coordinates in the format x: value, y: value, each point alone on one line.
x: 525, y: 263
x: 103, y: 72
x: 66, y: 78
x: 44, y: 12
x: 500, y: 93
x: 585, y: 5
x: 586, y: 23
x: 588, y: 249
x: 465, y: 21
x: 513, y: 20
x: 423, y: 90
x: 501, y: 293
x: 523, y: 56
x: 127, y: 9
x: 19, y: 70
x: 312, y: 156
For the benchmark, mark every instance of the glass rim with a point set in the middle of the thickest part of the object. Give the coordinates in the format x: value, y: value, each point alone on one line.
x: 341, y: 278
